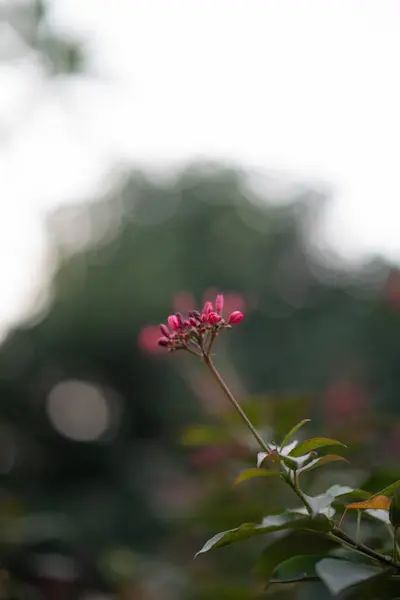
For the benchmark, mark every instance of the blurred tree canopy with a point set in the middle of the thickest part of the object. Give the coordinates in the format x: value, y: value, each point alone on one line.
x: 92, y: 413
x: 27, y: 34
x: 123, y: 263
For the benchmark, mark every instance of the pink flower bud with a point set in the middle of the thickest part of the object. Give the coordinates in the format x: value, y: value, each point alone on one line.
x: 180, y: 318
x: 186, y: 323
x: 193, y: 322
x: 164, y: 330
x: 208, y: 307
x: 236, y: 317
x: 173, y: 322
x: 163, y: 341
x: 195, y: 314
x: 219, y: 303
x: 213, y: 318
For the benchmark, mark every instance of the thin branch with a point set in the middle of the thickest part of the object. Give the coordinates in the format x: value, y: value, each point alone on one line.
x: 343, y: 537
x: 234, y: 403
x: 299, y: 494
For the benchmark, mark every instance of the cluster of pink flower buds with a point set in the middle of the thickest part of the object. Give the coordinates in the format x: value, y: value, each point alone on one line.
x: 198, y: 329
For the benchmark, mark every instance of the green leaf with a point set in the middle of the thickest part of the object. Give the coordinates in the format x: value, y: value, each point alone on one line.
x: 293, y: 543
x: 252, y: 473
x: 314, y: 444
x: 286, y: 520
x: 293, y: 431
x: 287, y: 410
x: 297, y: 568
x: 320, y: 462
x: 352, y: 493
x: 389, y: 490
x: 340, y: 574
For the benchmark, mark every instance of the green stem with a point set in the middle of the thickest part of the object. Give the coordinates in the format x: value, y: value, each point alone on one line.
x: 212, y: 339
x: 338, y: 534
x: 358, y: 526
x: 251, y: 427
x: 234, y: 403
x: 191, y: 351
x: 393, y: 537
x: 299, y: 494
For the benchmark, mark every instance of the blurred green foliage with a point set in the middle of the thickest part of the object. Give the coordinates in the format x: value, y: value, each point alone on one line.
x: 31, y: 36
x: 127, y: 509
x: 315, y: 343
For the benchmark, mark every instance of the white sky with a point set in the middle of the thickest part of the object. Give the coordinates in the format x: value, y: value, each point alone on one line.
x: 310, y: 87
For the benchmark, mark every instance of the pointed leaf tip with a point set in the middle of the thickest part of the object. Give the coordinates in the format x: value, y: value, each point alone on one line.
x: 291, y: 433
x: 389, y: 490
x: 314, y: 444
x: 296, y: 568
x: 253, y: 473
x: 286, y: 520
x: 376, y: 502
x: 321, y: 461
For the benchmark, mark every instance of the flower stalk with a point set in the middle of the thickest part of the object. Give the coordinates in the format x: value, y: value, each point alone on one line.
x: 235, y: 404
x: 197, y: 335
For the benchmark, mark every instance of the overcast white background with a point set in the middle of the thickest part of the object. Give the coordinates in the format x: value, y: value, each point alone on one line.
x: 307, y: 87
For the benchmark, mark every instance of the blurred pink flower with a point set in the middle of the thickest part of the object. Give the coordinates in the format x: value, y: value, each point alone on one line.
x: 209, y: 456
x: 219, y: 303
x: 345, y: 399
x: 392, y: 442
x: 148, y: 340
x: 393, y: 289
x: 234, y: 301
x: 184, y: 302
x: 209, y: 293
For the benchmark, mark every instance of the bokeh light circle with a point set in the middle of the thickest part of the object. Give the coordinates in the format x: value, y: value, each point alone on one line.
x: 79, y: 410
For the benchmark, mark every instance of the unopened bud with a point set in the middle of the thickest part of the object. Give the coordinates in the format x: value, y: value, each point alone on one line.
x: 164, y: 330
x: 208, y: 307
x: 173, y: 322
x: 163, y: 341
x: 213, y: 318
x: 236, y: 317
x: 195, y: 314
x: 193, y: 322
